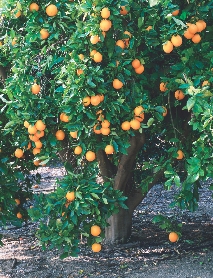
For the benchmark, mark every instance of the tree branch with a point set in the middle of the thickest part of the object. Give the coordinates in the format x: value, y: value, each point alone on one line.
x: 137, y: 196
x: 108, y: 170
x: 125, y: 166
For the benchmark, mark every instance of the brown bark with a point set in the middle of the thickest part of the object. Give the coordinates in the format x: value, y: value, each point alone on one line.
x: 121, y: 223
x: 3, y: 73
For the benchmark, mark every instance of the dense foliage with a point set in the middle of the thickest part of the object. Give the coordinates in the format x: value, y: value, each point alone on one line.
x: 144, y: 77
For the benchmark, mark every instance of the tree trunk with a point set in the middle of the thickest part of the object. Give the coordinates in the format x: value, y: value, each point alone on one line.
x: 120, y: 227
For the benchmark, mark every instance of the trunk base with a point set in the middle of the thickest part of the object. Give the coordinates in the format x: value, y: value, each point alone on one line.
x: 120, y: 227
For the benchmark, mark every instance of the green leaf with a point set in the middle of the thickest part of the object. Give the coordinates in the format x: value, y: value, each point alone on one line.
x: 153, y: 3
x: 140, y: 22
x: 150, y: 122
x: 190, y: 103
x: 95, y: 195
x: 179, y: 22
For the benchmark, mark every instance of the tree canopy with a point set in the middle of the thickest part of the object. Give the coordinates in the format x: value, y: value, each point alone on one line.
x: 119, y: 89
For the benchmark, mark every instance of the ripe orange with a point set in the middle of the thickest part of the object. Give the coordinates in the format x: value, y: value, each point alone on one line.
x: 176, y: 40
x: 14, y: 41
x: 78, y: 150
x: 117, y: 84
x: 123, y: 10
x: 105, y: 25
x: 128, y: 34
x: 135, y: 124
x: 74, y: 134
x: 173, y: 237
x: 34, y: 137
x: 81, y: 56
x: 79, y: 72
x: 26, y: 124
x: 90, y: 156
x: 138, y: 110
x: 180, y: 154
x: 120, y: 43
x: 17, y: 14
x: 165, y: 113
x: 95, y: 230
x: 192, y: 28
x: 36, y: 162
x: 203, y: 22
x: 39, y: 134
x: 101, y: 97
x: 64, y: 118
x: 140, y: 117
x: 125, y: 125
x: 188, y: 35
x: 19, y: 215
x: 38, y: 144
x: 140, y: 69
x: 51, y: 10
x: 105, y: 131
x: 32, y: 129
x: 179, y: 95
x: 97, y: 131
x: 163, y: 87
x: 70, y: 196
x: 96, y: 247
x: 168, y: 47
x: 105, y: 124
x: 92, y: 53
x: 98, y: 57
x: 60, y: 135
x: 149, y: 28
x: 36, y: 151
x: 199, y: 26
x: 86, y: 101
x: 18, y: 202
x: 44, y: 34
x: 136, y: 63
x: 109, y: 149
x: 205, y: 83
x: 94, y: 39
x: 105, y: 13
x: 35, y: 89
x: 40, y: 125
x: 34, y: 7
x: 95, y: 100
x: 175, y: 13
x: 196, y: 38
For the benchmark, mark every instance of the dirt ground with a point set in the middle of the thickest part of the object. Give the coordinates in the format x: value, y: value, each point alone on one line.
x: 148, y: 253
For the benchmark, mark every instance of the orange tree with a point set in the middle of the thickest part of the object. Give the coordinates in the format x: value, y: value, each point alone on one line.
x: 117, y: 89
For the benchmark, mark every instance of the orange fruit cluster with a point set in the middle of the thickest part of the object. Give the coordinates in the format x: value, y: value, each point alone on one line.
x: 93, y: 100
x: 95, y: 230
x: 103, y: 126
x: 138, y: 67
x: 191, y: 33
x: 193, y: 30
x: 135, y: 123
x: 35, y: 133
